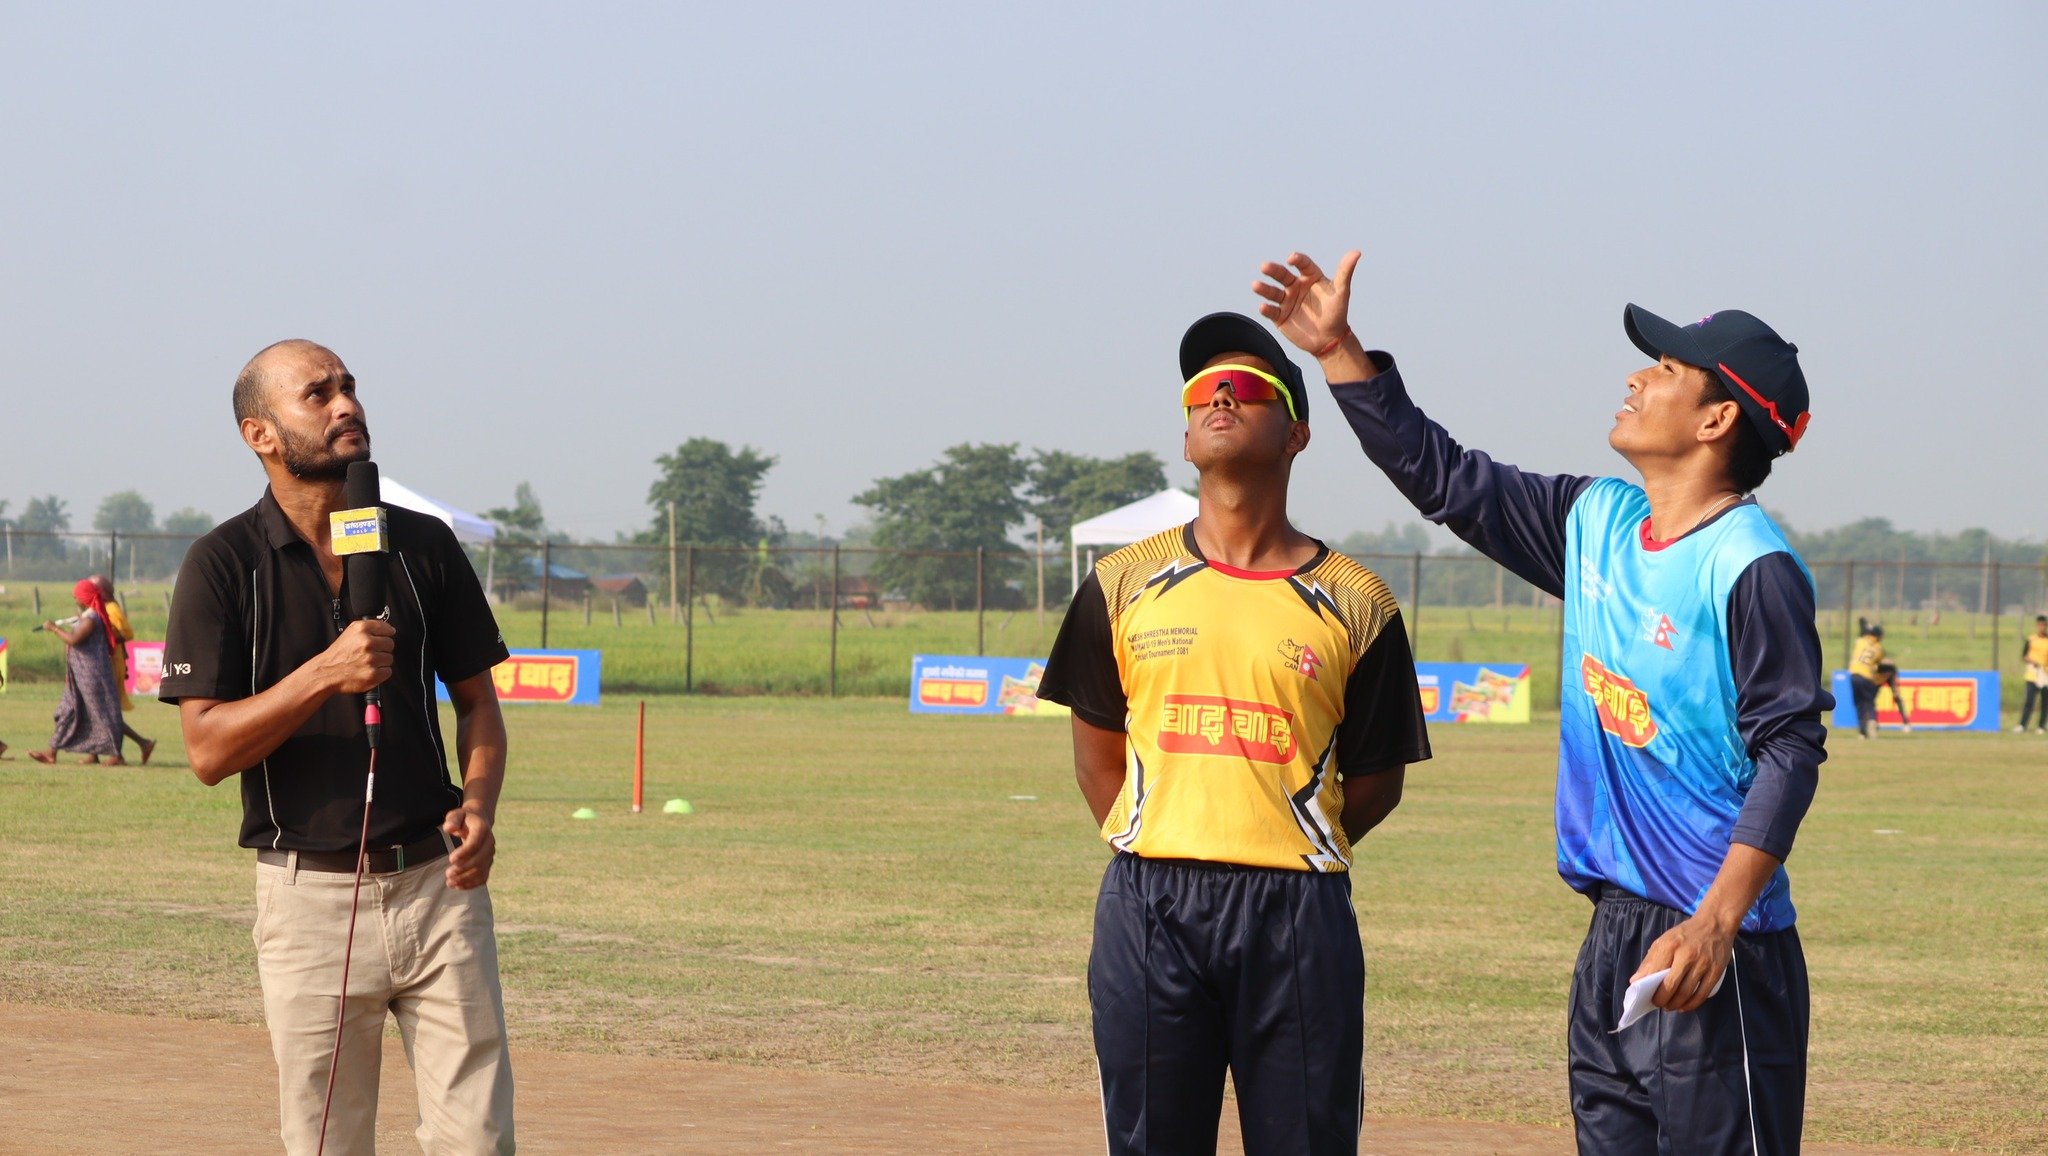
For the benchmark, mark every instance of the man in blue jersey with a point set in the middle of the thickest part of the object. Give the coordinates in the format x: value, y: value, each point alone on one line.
x: 1690, y: 731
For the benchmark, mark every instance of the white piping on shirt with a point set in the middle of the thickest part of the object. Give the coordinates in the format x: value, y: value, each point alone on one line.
x: 255, y: 620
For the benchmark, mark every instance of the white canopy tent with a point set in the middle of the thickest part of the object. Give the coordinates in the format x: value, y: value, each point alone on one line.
x: 467, y: 526
x: 1126, y: 524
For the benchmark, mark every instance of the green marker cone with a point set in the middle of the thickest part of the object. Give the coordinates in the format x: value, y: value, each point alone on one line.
x: 584, y: 813
x: 678, y: 807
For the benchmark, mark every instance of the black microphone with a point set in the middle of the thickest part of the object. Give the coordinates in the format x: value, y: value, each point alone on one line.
x: 362, y: 539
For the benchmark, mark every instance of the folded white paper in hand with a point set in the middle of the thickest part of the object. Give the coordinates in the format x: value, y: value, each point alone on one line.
x: 1635, y: 1003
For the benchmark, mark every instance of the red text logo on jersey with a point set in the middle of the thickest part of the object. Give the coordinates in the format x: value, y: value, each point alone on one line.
x: 1197, y: 724
x: 1624, y: 710
x: 1301, y: 658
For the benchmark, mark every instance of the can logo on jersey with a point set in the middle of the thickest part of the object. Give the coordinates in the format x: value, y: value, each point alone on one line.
x: 1624, y: 710
x: 1300, y: 658
x: 1199, y: 724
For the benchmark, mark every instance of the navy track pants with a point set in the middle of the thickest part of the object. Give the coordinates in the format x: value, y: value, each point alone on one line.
x: 1728, y: 1079
x: 1199, y: 967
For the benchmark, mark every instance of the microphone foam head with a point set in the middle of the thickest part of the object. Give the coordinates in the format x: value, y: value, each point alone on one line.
x: 360, y: 487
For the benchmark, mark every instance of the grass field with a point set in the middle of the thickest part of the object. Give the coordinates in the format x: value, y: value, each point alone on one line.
x: 748, y: 650
x: 863, y: 891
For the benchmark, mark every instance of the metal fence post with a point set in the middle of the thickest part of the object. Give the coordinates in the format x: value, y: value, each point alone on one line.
x: 1041, y: 572
x: 547, y: 572
x: 1848, y: 611
x: 689, y: 619
x: 832, y: 678
x: 1415, y: 600
x: 980, y: 619
x: 1997, y: 608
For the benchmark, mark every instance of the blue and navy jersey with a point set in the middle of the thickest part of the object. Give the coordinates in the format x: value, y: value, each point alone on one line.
x: 1651, y: 772
x: 1693, y: 686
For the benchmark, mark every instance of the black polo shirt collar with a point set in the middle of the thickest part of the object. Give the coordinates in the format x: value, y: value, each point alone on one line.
x: 277, y: 529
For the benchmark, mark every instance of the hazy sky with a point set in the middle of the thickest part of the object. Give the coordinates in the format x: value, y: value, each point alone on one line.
x: 554, y: 243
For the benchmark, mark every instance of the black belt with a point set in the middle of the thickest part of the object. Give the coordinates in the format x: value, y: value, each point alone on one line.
x: 379, y: 861
x: 1605, y: 892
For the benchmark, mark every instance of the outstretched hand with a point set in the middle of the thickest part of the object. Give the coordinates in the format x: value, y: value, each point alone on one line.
x: 1311, y: 309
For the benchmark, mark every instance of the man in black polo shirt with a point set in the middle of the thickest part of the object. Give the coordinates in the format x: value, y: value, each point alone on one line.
x: 267, y: 678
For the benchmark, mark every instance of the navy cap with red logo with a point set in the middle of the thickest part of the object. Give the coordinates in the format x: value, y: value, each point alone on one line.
x: 1760, y: 368
x: 1221, y: 333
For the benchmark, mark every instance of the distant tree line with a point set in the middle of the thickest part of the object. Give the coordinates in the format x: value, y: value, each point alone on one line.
x: 993, y: 497
x: 1895, y: 568
x: 40, y: 541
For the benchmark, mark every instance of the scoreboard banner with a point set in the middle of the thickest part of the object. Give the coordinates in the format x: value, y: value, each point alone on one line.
x: 1946, y: 700
x: 1474, y: 692
x: 958, y: 684
x: 561, y: 677
x: 145, y: 668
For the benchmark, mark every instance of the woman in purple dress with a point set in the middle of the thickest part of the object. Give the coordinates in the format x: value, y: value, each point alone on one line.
x: 89, y: 714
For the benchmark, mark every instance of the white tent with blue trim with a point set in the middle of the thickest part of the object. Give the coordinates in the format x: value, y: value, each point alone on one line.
x: 1126, y: 524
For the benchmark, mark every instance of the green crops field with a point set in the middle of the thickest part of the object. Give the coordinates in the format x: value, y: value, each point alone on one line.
x: 728, y: 650
x: 860, y: 890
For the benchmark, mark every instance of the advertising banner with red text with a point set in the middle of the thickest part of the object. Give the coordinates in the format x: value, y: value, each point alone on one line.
x: 558, y: 677
x: 957, y: 684
x: 1936, y: 700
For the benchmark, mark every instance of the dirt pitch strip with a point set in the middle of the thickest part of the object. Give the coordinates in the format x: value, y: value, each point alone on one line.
x: 87, y: 1082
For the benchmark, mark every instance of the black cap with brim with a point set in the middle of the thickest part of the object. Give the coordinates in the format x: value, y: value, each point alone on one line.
x: 1221, y: 333
x: 1759, y: 369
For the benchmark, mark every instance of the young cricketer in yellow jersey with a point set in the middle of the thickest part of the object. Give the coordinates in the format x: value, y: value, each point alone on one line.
x: 1245, y: 706
x: 2034, y: 653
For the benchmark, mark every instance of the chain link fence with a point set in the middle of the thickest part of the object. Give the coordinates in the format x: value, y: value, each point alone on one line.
x: 841, y: 620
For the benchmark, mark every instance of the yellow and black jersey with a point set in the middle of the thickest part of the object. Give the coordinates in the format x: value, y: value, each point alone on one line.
x: 1863, y: 660
x: 2033, y: 650
x: 1245, y: 698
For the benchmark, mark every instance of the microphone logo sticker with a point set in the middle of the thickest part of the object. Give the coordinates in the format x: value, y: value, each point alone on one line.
x: 361, y: 531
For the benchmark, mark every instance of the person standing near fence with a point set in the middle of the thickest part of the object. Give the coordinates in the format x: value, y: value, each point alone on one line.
x: 117, y: 621
x: 1866, y: 673
x: 2034, y: 655
x: 1690, y: 729
x: 1245, y: 708
x: 89, y: 714
x: 267, y: 676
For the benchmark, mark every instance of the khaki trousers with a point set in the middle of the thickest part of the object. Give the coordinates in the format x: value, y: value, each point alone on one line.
x: 425, y: 953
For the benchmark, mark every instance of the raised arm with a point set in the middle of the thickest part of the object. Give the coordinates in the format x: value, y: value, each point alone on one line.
x: 1512, y: 516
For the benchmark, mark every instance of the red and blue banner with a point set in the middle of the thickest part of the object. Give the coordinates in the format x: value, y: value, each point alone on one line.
x: 958, y: 684
x: 558, y: 677
x: 1474, y: 691
x: 1936, y: 700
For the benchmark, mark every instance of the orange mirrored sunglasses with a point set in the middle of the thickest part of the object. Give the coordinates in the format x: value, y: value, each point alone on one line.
x: 1246, y: 384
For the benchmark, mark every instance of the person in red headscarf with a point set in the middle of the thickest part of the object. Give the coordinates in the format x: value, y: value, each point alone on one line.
x: 89, y: 714
x: 117, y: 625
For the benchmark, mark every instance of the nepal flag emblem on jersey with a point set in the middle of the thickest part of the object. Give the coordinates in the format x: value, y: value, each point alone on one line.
x: 1301, y: 658
x: 1657, y: 628
x: 1624, y: 711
